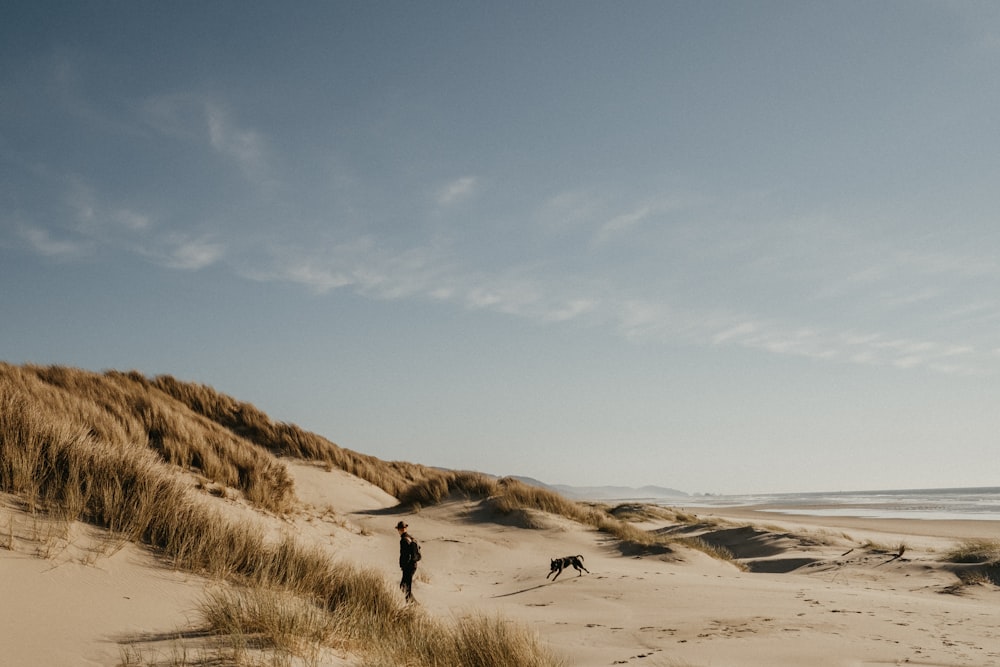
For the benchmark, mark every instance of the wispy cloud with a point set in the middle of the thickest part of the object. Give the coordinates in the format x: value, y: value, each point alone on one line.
x: 738, y: 331
x: 200, y: 117
x: 516, y: 295
x: 457, y: 190
x: 320, y: 279
x: 621, y: 223
x: 676, y: 306
x: 937, y: 263
x: 92, y: 224
x: 95, y: 217
x: 82, y: 201
x: 244, y: 146
x: 44, y: 243
x: 132, y: 220
x: 639, y: 320
x: 359, y: 263
x: 191, y: 254
x: 370, y: 267
x: 572, y: 309
x: 569, y: 211
x: 877, y: 349
x: 374, y: 270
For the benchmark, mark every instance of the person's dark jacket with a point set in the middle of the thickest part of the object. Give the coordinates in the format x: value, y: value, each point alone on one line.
x: 406, y: 552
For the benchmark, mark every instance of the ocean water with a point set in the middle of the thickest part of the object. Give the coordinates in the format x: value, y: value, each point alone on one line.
x: 981, y: 503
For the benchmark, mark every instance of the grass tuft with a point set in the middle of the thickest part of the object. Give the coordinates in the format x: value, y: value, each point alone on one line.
x: 279, y: 619
x: 975, y: 551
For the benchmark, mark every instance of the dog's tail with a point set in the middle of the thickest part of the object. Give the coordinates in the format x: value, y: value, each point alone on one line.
x: 579, y: 556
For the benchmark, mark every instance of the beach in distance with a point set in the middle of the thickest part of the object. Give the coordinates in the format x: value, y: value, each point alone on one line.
x: 975, y: 503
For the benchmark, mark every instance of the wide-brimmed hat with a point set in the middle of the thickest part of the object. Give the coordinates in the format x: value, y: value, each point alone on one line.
x: 401, y: 525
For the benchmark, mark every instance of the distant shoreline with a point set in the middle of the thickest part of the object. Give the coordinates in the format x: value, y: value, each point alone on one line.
x: 966, y: 504
x: 803, y: 517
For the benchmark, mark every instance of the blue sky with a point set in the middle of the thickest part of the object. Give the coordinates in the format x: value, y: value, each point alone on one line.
x: 719, y: 246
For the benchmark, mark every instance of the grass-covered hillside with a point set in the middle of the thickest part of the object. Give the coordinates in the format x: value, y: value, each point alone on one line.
x: 148, y: 458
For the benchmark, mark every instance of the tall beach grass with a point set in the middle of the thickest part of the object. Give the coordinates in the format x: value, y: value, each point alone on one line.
x: 113, y: 450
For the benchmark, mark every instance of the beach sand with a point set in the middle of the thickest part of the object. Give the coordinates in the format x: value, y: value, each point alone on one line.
x: 803, y: 592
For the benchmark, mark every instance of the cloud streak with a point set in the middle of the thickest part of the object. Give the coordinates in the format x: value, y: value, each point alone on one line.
x: 371, y: 266
x: 92, y: 225
x: 244, y: 146
x: 190, y: 254
x: 456, y: 191
x: 423, y: 273
x: 194, y: 117
x: 44, y: 243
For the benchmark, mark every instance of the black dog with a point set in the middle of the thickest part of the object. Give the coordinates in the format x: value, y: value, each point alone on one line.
x: 559, y: 564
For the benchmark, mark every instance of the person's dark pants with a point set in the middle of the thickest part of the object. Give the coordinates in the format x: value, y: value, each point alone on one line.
x: 406, y: 584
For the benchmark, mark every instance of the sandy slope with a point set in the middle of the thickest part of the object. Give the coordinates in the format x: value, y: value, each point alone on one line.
x: 810, y: 603
x: 689, y: 609
x: 71, y: 598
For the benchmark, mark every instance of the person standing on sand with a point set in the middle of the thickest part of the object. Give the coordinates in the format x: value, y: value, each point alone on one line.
x: 407, y: 560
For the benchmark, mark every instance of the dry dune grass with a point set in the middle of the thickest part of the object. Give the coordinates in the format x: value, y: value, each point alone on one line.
x: 273, y: 618
x: 414, y: 484
x: 981, y: 560
x: 250, y: 423
x: 105, y: 449
x: 123, y: 411
x: 976, y: 551
x: 475, y: 639
x: 233, y: 443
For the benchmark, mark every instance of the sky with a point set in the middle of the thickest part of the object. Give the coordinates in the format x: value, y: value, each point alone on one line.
x: 724, y: 247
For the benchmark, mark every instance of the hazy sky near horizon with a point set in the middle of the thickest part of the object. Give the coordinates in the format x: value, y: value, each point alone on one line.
x: 719, y: 246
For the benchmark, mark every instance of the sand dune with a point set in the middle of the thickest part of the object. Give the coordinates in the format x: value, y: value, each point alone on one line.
x: 824, y: 592
x: 815, y: 605
x: 295, y: 537
x: 72, y: 597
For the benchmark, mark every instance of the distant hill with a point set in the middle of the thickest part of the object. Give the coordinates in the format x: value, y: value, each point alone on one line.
x: 608, y: 492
